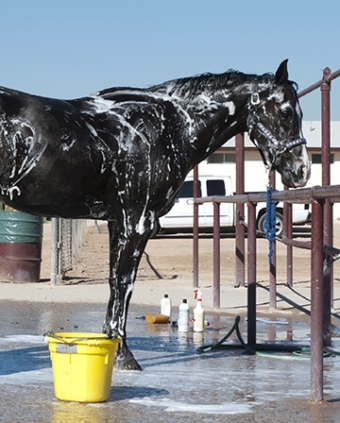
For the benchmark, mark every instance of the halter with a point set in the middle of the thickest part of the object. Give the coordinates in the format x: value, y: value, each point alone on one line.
x: 280, y: 146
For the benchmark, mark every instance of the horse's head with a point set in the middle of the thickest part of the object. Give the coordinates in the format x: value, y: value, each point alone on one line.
x: 274, y: 125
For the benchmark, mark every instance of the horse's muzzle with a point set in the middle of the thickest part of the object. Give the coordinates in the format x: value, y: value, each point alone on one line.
x: 296, y: 179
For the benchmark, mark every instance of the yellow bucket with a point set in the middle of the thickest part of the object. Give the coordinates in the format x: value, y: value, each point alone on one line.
x: 82, y: 365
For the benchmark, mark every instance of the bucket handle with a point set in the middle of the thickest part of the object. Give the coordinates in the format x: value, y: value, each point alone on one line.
x: 90, y: 338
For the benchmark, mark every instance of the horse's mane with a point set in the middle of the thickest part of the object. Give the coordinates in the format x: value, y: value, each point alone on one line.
x: 191, y: 86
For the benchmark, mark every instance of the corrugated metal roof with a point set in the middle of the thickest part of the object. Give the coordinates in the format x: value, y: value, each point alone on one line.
x: 311, y: 131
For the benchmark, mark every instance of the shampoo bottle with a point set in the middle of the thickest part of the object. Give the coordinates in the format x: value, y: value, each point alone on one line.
x: 166, y: 306
x: 198, y: 312
x: 183, y: 317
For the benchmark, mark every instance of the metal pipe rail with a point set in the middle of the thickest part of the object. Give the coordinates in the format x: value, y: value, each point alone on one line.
x: 301, y: 196
x: 331, y: 192
x: 307, y: 245
x: 321, y: 199
x: 319, y: 330
x: 328, y: 77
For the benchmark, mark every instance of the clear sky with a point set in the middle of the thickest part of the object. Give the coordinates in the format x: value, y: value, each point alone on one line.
x: 71, y: 48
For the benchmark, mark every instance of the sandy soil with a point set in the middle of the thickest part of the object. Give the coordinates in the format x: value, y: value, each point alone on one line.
x: 170, y: 257
x: 166, y: 267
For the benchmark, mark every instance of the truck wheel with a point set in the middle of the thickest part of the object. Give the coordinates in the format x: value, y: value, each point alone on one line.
x: 279, y: 223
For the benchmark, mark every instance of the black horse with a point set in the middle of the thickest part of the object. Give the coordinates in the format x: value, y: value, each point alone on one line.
x: 122, y: 155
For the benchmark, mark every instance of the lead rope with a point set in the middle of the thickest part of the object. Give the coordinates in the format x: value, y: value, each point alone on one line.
x: 270, y: 222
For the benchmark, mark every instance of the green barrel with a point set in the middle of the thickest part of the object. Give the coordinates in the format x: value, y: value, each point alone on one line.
x: 20, y: 246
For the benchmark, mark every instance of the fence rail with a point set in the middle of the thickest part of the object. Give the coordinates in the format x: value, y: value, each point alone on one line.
x: 301, y: 196
x: 321, y: 198
x: 328, y: 77
x: 320, y: 332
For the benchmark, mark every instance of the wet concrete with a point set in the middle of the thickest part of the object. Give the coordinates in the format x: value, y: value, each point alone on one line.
x: 177, y: 384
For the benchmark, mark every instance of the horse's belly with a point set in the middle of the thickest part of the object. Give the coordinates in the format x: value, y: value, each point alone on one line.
x: 63, y: 199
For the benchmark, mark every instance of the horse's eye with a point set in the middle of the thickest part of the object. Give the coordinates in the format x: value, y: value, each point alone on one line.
x: 286, y: 113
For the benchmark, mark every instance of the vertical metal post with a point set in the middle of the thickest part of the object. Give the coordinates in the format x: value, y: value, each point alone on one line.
x: 195, y: 230
x: 216, y: 299
x: 54, y: 249
x: 325, y: 127
x: 317, y: 302
x: 328, y: 215
x: 272, y: 267
x: 251, y: 273
x: 239, y: 213
x: 288, y: 232
x: 60, y: 245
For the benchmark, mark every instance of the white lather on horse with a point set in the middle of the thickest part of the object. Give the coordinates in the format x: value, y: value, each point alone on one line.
x: 122, y: 155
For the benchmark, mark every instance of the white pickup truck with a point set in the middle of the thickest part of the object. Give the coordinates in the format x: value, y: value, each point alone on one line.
x: 180, y: 217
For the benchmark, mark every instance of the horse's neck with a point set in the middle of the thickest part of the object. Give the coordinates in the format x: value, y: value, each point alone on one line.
x: 210, y: 123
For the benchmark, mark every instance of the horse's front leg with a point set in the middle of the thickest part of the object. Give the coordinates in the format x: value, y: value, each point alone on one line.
x: 125, y: 255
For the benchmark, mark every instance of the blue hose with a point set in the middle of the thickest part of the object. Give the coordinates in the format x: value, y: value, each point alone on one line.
x: 270, y: 222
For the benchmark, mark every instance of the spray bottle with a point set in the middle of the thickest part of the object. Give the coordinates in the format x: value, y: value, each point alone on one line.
x: 166, y: 306
x: 183, y: 317
x: 198, y: 312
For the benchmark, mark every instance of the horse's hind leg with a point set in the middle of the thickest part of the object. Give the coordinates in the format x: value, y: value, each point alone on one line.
x: 125, y: 255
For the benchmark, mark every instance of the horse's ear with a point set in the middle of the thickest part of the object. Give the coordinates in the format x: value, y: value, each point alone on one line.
x: 282, y: 73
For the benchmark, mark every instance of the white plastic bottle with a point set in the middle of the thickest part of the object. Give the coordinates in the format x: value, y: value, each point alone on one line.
x: 198, y: 312
x: 166, y: 306
x: 183, y: 317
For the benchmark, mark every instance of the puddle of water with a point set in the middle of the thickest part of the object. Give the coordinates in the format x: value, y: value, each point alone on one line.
x: 176, y: 381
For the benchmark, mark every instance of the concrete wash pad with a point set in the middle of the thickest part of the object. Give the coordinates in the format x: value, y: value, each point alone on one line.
x: 178, y: 383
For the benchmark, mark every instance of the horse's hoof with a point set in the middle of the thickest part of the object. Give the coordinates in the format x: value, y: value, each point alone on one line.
x: 123, y: 362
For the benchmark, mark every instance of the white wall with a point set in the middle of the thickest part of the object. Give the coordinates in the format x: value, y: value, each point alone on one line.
x: 316, y: 179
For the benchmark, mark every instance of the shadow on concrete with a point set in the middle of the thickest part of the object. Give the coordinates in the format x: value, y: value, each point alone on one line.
x: 24, y: 360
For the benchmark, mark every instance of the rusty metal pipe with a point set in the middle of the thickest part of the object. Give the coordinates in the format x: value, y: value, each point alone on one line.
x: 239, y: 213
x: 251, y: 293
x: 299, y: 196
x: 317, y: 85
x: 317, y: 302
x: 195, y: 230
x: 272, y: 266
x: 217, y: 256
x: 288, y: 234
x: 328, y: 213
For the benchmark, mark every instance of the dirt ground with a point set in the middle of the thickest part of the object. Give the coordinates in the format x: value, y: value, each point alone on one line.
x: 170, y: 258
x: 167, y: 267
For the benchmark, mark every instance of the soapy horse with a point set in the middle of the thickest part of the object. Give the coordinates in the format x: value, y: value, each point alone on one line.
x: 122, y: 155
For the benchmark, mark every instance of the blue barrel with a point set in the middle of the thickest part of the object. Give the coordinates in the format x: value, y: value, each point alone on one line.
x: 20, y: 246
